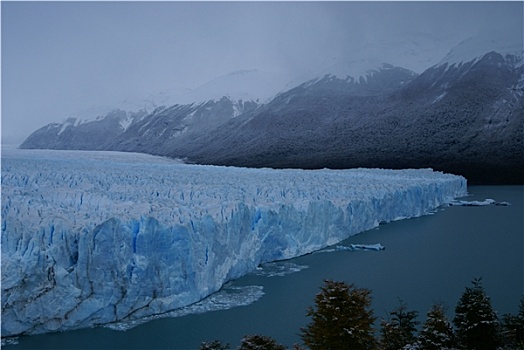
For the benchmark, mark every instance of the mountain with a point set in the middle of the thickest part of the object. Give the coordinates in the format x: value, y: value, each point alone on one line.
x: 159, y: 118
x: 137, y: 131
x: 75, y: 133
x: 164, y: 128
x: 415, y: 52
x: 462, y: 115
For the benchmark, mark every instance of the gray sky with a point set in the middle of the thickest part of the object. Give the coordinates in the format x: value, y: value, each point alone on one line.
x: 62, y: 57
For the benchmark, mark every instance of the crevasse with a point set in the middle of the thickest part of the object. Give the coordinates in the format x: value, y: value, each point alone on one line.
x: 93, y: 238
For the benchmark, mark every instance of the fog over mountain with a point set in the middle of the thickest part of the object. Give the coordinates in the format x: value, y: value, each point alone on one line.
x: 275, y: 84
x: 82, y: 59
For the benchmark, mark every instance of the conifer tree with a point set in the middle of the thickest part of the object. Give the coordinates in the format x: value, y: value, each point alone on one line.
x: 475, y: 320
x: 399, y: 331
x: 342, y: 318
x: 513, y: 328
x: 259, y: 342
x: 437, y: 332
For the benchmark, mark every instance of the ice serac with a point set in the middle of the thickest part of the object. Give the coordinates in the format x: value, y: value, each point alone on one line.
x: 91, y: 238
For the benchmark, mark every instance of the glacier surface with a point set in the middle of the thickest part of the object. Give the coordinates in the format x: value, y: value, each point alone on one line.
x: 93, y: 238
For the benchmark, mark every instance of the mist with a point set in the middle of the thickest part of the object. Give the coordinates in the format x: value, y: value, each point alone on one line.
x: 62, y: 58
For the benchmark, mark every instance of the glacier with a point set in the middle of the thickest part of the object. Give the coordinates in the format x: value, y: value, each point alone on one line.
x: 97, y: 238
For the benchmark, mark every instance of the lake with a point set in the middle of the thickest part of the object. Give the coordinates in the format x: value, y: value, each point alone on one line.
x: 427, y: 259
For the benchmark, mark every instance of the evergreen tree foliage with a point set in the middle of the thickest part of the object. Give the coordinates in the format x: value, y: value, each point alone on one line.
x: 399, y: 331
x: 437, y: 332
x: 513, y: 328
x: 475, y: 320
x: 259, y: 342
x: 214, y: 345
x: 342, y: 318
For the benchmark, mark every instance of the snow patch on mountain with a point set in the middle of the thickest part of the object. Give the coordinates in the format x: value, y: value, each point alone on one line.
x: 242, y: 85
x: 359, y: 69
x: 356, y: 69
x: 126, y: 123
x: 69, y: 122
x: 74, y: 122
x: 440, y: 97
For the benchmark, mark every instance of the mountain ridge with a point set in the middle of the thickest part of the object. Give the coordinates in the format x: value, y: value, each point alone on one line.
x: 460, y: 117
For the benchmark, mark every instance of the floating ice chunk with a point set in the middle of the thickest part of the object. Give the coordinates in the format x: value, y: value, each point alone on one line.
x: 354, y: 247
x: 279, y: 268
x: 376, y: 247
x: 229, y: 296
x: 488, y: 201
x: 9, y: 341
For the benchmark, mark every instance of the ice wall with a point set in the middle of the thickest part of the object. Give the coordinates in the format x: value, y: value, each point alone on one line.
x: 91, y: 238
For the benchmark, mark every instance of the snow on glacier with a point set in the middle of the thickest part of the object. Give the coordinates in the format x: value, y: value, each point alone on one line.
x: 91, y: 238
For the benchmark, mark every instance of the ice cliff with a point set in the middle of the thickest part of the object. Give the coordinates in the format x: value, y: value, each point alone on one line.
x: 91, y: 238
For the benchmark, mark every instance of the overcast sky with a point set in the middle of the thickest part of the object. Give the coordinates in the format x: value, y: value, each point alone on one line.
x: 62, y: 57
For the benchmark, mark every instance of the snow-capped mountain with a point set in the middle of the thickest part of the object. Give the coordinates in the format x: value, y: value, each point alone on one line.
x: 76, y: 133
x: 465, y: 118
x: 415, y: 52
x: 163, y: 129
x: 350, y: 78
x: 464, y: 114
x: 175, y: 112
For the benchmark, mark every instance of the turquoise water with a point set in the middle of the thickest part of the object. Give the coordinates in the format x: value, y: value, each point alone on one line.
x: 427, y: 259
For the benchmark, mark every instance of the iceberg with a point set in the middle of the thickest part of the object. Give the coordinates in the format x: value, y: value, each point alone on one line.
x: 278, y: 269
x: 228, y: 297
x: 95, y: 238
x: 354, y: 247
x: 376, y: 247
x: 488, y: 201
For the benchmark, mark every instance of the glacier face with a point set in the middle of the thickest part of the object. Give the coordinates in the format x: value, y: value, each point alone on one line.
x: 92, y: 238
